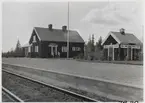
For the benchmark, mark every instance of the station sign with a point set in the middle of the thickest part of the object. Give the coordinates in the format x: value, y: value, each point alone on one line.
x: 131, y: 46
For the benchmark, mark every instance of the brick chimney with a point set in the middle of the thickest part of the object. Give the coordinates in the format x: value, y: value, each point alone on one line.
x: 64, y: 28
x: 122, y: 31
x: 50, y: 26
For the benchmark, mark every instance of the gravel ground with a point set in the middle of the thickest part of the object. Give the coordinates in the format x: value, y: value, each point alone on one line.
x: 34, y: 92
x: 131, y: 74
x: 97, y: 97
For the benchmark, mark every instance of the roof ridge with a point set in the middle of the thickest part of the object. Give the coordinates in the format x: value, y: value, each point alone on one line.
x: 53, y: 28
x: 119, y: 32
x: 74, y: 35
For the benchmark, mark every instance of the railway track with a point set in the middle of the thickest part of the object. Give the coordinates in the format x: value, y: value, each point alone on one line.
x: 30, y: 90
x: 9, y: 96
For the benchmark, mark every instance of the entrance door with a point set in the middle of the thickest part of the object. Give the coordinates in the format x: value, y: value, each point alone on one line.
x: 54, y: 51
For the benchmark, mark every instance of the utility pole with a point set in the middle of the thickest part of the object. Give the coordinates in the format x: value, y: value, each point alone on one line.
x: 68, y: 34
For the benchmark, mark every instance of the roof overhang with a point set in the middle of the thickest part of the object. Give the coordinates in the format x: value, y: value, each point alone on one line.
x: 37, y: 33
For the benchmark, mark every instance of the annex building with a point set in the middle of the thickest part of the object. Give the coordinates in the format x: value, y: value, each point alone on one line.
x: 121, y: 46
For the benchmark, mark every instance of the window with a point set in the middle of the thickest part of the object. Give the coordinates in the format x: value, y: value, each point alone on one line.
x: 29, y: 49
x: 36, y: 48
x: 73, y: 49
x: 64, y: 49
x: 76, y: 48
x: 34, y: 38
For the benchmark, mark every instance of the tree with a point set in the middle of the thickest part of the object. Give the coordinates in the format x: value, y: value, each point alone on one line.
x: 98, y: 44
x: 92, y: 44
x: 89, y: 44
x: 18, y: 50
x: 18, y: 47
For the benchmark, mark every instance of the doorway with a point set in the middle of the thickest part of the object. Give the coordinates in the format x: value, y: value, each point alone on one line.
x: 53, y: 51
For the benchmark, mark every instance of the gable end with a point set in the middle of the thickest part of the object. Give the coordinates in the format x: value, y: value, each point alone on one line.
x: 113, y: 37
x: 37, y: 38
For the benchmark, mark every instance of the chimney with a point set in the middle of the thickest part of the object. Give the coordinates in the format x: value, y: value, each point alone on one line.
x: 64, y: 28
x: 122, y: 31
x: 50, y: 26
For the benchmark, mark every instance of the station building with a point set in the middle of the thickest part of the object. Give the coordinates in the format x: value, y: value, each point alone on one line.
x: 50, y: 42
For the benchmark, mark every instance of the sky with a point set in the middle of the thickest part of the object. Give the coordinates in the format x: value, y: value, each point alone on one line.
x: 98, y: 18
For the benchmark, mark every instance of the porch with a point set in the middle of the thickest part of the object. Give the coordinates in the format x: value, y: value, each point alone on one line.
x: 121, y: 52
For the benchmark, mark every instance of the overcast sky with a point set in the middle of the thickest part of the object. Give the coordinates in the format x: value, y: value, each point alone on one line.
x: 98, y: 18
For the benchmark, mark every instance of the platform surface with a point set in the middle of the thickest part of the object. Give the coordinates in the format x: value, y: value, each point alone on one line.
x: 131, y: 74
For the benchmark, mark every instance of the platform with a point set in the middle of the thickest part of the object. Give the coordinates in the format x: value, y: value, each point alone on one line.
x: 131, y: 74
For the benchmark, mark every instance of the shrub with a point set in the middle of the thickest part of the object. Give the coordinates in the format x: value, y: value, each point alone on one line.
x: 80, y: 56
x: 102, y: 58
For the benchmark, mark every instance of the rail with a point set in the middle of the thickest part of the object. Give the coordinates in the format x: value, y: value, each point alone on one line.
x: 85, y: 98
x: 11, y: 95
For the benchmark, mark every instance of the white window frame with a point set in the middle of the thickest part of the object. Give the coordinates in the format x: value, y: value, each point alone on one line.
x: 36, y: 48
x: 73, y: 49
x: 64, y: 49
x: 34, y: 38
x: 76, y: 49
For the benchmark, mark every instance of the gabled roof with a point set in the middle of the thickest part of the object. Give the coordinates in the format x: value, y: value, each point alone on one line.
x: 44, y: 34
x: 128, y: 38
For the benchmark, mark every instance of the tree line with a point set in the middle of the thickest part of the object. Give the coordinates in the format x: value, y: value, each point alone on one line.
x: 92, y: 46
x: 17, y: 52
x: 92, y: 50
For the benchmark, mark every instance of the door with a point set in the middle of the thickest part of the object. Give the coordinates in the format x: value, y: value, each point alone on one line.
x: 54, y: 51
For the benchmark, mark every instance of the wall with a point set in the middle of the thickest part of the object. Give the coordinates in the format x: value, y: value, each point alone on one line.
x: 46, y: 51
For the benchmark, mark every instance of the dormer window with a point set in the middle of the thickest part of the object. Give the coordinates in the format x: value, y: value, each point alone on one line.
x: 34, y: 38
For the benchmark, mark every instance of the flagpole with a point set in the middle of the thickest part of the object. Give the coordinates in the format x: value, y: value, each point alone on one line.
x: 68, y: 34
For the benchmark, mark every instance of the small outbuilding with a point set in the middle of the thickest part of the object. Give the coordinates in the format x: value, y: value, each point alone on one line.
x: 121, y: 46
x: 26, y: 49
